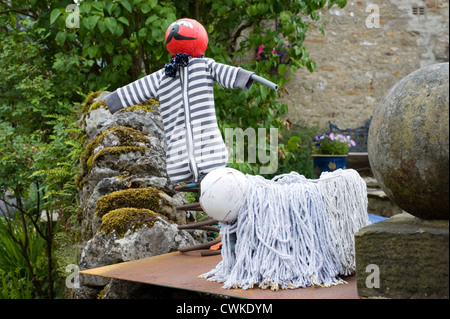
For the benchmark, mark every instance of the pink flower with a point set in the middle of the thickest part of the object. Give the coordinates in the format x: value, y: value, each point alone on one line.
x: 260, y: 51
x: 342, y: 138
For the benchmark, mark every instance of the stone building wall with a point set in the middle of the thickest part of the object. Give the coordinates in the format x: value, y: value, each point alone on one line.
x: 358, y: 61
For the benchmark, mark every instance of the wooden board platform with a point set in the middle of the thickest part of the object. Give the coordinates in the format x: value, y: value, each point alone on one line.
x: 181, y: 271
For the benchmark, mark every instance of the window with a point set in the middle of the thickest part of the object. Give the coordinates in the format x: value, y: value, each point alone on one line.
x: 418, y: 11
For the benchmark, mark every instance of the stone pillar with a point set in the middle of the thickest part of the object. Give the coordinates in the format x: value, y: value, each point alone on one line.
x: 406, y: 256
x: 127, y: 203
x: 403, y: 257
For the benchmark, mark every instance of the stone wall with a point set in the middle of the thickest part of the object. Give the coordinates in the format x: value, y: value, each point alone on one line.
x: 357, y: 63
x: 127, y: 203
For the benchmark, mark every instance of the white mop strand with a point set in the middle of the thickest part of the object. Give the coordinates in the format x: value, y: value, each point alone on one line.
x: 345, y: 195
x: 292, y: 232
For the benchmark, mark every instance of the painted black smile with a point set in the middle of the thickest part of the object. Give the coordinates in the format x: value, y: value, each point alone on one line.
x: 174, y: 34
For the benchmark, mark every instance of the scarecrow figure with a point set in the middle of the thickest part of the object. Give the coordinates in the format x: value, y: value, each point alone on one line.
x: 184, y: 88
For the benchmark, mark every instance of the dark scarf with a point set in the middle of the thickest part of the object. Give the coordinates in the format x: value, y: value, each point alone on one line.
x: 180, y: 59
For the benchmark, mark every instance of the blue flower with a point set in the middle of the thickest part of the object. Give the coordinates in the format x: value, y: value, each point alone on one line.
x: 318, y: 138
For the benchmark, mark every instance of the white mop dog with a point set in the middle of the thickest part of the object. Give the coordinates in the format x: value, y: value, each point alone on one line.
x: 289, y: 232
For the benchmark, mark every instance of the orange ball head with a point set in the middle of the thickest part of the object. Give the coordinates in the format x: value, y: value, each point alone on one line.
x: 186, y: 36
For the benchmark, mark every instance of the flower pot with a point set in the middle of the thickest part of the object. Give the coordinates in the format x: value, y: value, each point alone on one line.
x: 328, y: 163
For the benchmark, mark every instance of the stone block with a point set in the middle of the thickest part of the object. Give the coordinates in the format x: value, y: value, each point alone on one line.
x: 359, y: 161
x: 380, y: 204
x: 403, y: 257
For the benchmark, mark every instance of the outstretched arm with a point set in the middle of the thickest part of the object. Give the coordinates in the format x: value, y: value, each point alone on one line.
x: 264, y: 81
x: 134, y: 93
x: 236, y: 77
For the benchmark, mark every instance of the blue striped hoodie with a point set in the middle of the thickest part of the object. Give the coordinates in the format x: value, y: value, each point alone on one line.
x: 194, y: 143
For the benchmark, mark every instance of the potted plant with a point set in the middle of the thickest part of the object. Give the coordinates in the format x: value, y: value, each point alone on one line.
x: 330, y: 152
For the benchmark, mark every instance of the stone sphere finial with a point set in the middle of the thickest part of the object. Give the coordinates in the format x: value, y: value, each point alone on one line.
x: 408, y: 143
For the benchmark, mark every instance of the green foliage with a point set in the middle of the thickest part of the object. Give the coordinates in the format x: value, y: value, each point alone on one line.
x: 329, y: 147
x: 296, y: 152
x: 11, y: 257
x: 14, y: 285
x: 15, y: 282
x: 115, y: 37
x: 40, y: 175
x: 31, y: 86
x: 39, y: 147
x: 26, y: 159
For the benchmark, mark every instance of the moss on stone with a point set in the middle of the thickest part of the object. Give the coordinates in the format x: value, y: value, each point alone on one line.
x: 89, y: 104
x: 127, y: 137
x: 146, y: 106
x: 89, y: 100
x: 86, y: 165
x: 97, y: 105
x: 115, y: 150
x: 148, y: 198
x: 123, y: 219
x: 80, y: 180
x: 102, y: 292
x: 122, y: 177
